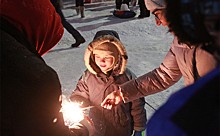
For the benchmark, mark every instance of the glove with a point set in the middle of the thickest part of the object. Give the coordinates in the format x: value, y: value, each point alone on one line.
x: 88, y: 124
x: 83, y: 128
x: 136, y: 133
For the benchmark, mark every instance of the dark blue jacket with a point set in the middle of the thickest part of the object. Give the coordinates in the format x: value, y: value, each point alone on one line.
x: 192, y: 111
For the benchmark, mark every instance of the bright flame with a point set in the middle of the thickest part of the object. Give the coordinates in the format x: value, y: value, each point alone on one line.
x: 72, y: 113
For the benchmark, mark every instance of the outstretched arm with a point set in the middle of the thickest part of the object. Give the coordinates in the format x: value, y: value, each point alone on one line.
x: 152, y: 82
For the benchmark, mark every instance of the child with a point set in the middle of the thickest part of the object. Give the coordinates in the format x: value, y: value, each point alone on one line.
x: 105, y: 59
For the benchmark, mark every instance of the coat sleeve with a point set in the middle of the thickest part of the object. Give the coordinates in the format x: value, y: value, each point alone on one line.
x: 81, y: 93
x: 139, y: 114
x: 155, y: 81
x: 138, y: 111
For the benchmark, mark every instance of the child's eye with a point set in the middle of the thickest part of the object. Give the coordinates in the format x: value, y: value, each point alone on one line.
x: 107, y: 58
x: 97, y: 57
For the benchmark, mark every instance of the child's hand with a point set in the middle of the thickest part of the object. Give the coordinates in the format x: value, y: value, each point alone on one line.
x: 81, y: 127
x: 89, y: 124
x: 112, y: 99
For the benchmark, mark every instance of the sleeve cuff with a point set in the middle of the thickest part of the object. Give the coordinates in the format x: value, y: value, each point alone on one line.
x: 139, y: 129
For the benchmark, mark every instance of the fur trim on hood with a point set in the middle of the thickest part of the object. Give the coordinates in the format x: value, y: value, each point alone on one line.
x: 89, y: 60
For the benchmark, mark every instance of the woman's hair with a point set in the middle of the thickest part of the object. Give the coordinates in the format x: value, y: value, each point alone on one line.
x: 187, y: 22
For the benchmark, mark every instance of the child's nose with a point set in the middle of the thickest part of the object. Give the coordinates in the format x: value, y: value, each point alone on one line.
x: 102, y: 60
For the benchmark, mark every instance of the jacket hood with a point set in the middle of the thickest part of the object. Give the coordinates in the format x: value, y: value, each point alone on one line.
x: 102, y: 37
x: 36, y: 19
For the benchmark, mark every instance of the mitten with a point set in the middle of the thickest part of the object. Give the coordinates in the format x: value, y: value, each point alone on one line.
x: 82, y: 127
x: 89, y: 124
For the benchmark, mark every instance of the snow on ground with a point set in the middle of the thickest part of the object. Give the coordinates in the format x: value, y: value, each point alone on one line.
x: 146, y: 45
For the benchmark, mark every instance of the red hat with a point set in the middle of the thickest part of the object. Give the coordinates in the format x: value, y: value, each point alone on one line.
x: 36, y: 19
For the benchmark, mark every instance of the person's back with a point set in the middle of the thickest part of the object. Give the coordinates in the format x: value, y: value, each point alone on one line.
x: 193, y: 110
x: 106, y: 59
x: 30, y: 89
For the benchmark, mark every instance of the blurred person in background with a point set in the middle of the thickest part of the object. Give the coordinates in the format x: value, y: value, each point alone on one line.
x: 77, y: 36
x: 120, y: 2
x: 80, y: 8
x: 144, y: 12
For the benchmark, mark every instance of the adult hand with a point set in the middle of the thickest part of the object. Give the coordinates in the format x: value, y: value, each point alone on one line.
x: 112, y: 99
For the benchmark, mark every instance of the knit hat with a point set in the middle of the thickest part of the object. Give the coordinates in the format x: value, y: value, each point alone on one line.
x: 108, y: 49
x: 155, y: 4
x: 124, y: 7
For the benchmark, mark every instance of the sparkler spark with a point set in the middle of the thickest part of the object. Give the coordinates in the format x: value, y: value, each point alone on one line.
x: 72, y: 113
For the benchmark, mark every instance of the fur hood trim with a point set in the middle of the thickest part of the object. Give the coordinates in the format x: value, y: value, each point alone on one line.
x: 123, y: 57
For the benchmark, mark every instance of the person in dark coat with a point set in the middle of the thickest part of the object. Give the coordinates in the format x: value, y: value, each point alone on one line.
x: 30, y: 89
x: 194, y: 110
x: 77, y: 36
x: 80, y: 8
x: 105, y: 59
x: 144, y: 12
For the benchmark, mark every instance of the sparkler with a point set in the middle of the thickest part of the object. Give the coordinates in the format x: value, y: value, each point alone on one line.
x: 88, y: 107
x: 72, y: 113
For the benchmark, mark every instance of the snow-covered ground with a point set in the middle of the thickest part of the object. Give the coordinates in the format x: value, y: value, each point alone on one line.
x: 146, y: 45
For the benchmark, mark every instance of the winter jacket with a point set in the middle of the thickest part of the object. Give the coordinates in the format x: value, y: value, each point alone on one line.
x: 178, y: 62
x: 30, y: 89
x: 56, y: 4
x: 94, y: 86
x: 192, y: 111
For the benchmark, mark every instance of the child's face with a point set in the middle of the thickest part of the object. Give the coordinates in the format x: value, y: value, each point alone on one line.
x: 103, y: 61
